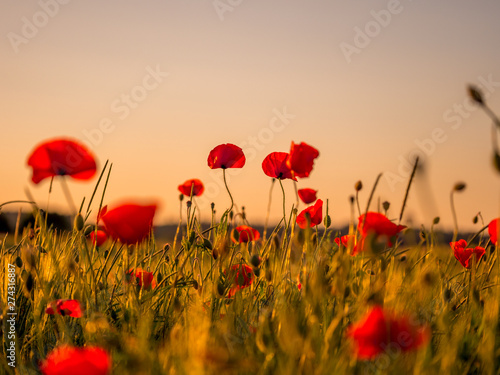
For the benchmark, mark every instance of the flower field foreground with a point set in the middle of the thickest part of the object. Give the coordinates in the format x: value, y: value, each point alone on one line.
x: 298, y: 298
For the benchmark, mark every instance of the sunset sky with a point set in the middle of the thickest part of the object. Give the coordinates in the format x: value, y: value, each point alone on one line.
x: 154, y: 86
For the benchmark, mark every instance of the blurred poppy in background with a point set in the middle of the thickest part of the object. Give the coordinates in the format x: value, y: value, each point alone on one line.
x: 242, y: 279
x: 275, y: 165
x: 77, y: 361
x: 301, y: 159
x: 379, y: 225
x: 246, y: 234
x: 141, y: 278
x: 493, y: 231
x: 381, y: 330
x: 226, y: 156
x: 195, y: 185
x: 307, y: 195
x: 464, y: 254
x: 66, y: 307
x: 349, y: 240
x: 61, y: 157
x: 312, y: 215
x: 98, y: 237
x: 129, y: 223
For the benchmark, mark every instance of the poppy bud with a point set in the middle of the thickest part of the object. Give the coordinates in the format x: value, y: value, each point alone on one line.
x: 29, y: 283
x: 78, y: 224
x: 496, y: 161
x: 269, y: 275
x: 166, y: 247
x: 212, y: 205
x: 386, y: 205
x: 189, y: 204
x: 447, y: 294
x: 358, y: 186
x: 235, y: 235
x: 351, y: 199
x: 475, y: 94
x: 181, y: 197
x: 347, y: 291
x: 231, y: 215
x: 195, y: 284
x: 159, y: 277
x: 459, y: 186
x: 19, y: 262
x: 402, y: 258
x: 220, y: 289
x: 106, y: 253
x: 474, y: 220
x: 243, y: 215
x: 88, y: 229
x: 436, y: 220
x: 327, y: 221
x: 215, y: 254
x: 255, y: 260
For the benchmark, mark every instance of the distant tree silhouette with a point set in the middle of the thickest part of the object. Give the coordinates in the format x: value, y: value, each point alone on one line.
x: 4, y: 225
x: 55, y: 220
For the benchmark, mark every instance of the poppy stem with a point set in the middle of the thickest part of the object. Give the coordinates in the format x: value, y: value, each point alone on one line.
x: 227, y: 188
x: 284, y: 206
x: 408, y: 190
x: 268, y: 209
x: 454, y: 215
x: 68, y: 196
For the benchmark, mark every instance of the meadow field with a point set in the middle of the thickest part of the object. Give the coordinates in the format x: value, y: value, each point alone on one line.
x: 107, y: 297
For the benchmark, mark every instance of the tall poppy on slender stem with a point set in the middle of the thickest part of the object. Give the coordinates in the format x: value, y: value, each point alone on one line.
x: 275, y: 165
x: 62, y: 157
x: 226, y: 156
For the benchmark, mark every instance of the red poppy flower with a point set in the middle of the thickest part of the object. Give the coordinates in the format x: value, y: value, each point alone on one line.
x: 275, y: 165
x: 380, y: 330
x: 307, y: 195
x: 226, y: 156
x: 77, y: 361
x: 242, y: 279
x: 493, y: 231
x: 129, y: 223
x: 61, y: 157
x: 313, y: 213
x: 379, y: 225
x: 464, y: 254
x: 98, y: 237
x: 349, y: 240
x: 246, y: 234
x: 194, y: 184
x: 66, y: 307
x: 143, y: 279
x: 301, y: 159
